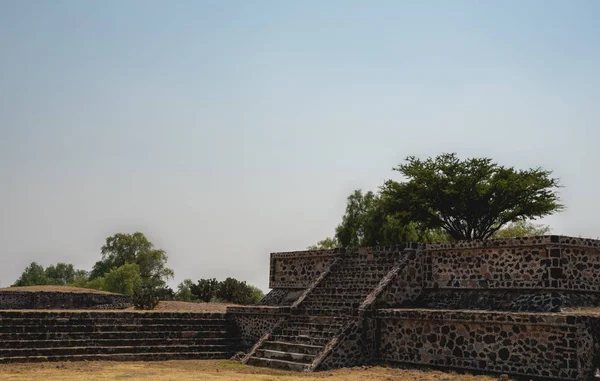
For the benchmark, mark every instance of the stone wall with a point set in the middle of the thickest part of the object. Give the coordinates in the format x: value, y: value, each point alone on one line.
x: 297, y: 270
x: 62, y: 300
x: 253, y: 322
x: 558, y: 346
x: 425, y: 303
x: 547, y: 262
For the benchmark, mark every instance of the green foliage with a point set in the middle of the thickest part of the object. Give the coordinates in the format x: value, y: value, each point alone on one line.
x: 469, y: 199
x: 367, y: 223
x: 33, y: 275
x: 133, y: 248
x: 96, y: 284
x: 123, y: 280
x: 184, y: 291
x: 205, y: 290
x: 230, y: 290
x: 60, y: 274
x: 360, y: 220
x: 324, y: 244
x: 256, y: 294
x: 145, y: 297
x: 234, y: 291
x: 522, y: 229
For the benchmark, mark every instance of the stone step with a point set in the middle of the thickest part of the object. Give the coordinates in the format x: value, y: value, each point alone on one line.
x: 91, y: 350
x: 341, y: 292
x: 285, y: 356
x: 105, y: 328
x: 41, y: 314
x: 291, y: 347
x: 317, y: 341
x: 292, y: 331
x: 15, y: 344
x: 110, y: 321
x: 326, y: 326
x: 328, y: 311
x: 332, y: 304
x: 278, y: 364
x: 199, y: 333
x: 316, y: 319
x: 159, y: 356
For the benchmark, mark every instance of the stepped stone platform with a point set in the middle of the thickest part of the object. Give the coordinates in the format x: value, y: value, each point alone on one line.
x: 33, y: 336
x: 61, y: 297
x: 492, y: 306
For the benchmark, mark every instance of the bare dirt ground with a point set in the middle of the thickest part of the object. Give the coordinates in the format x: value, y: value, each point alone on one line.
x: 212, y: 370
x: 55, y: 289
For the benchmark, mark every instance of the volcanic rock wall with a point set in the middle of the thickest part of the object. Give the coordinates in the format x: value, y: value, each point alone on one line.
x: 62, y: 300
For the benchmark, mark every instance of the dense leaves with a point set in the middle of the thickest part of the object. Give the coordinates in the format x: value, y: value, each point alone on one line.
x: 61, y: 274
x: 469, y: 199
x: 206, y: 289
x: 184, y: 291
x: 445, y: 198
x: 230, y: 291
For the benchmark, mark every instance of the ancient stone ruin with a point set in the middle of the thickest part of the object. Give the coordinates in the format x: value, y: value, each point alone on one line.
x: 505, y: 306
x: 27, y: 300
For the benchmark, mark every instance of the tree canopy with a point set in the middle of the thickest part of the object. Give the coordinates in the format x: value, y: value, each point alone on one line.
x: 121, y: 249
x: 469, y: 199
x: 445, y: 198
x: 61, y: 274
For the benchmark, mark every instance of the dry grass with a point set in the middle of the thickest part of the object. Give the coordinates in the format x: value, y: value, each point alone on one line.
x: 76, y: 290
x: 211, y: 370
x: 175, y: 306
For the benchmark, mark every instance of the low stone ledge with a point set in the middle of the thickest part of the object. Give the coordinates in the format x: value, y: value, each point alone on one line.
x: 259, y: 310
x: 62, y: 300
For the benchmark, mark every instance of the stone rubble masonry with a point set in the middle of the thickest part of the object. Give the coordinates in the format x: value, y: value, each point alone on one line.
x: 40, y: 335
x: 62, y: 300
x: 449, y: 305
x: 254, y: 321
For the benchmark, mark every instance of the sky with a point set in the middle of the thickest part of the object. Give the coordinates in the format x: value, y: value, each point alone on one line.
x: 227, y: 130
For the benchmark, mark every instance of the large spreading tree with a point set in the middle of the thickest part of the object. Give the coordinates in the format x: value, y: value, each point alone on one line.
x: 470, y: 199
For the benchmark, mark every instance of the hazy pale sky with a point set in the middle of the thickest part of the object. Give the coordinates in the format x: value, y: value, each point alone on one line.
x: 226, y: 130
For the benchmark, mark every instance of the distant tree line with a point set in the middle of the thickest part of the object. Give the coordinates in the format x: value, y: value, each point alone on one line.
x: 211, y: 290
x: 445, y: 198
x: 131, y: 265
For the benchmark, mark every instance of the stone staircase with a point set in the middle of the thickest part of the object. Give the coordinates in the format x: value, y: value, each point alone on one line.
x: 299, y: 342
x: 27, y: 336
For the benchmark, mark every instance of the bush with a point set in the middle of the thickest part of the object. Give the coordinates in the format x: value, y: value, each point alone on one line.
x: 237, y: 292
x: 184, y: 291
x: 206, y: 289
x: 145, y: 297
x: 96, y: 284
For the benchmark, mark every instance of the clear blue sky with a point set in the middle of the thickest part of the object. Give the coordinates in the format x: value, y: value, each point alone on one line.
x: 226, y: 130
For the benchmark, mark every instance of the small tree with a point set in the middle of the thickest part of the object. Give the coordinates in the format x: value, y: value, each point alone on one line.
x: 33, y: 275
x: 184, y: 291
x: 145, y: 297
x: 469, y: 199
x: 60, y: 274
x: 205, y: 290
x: 238, y: 292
